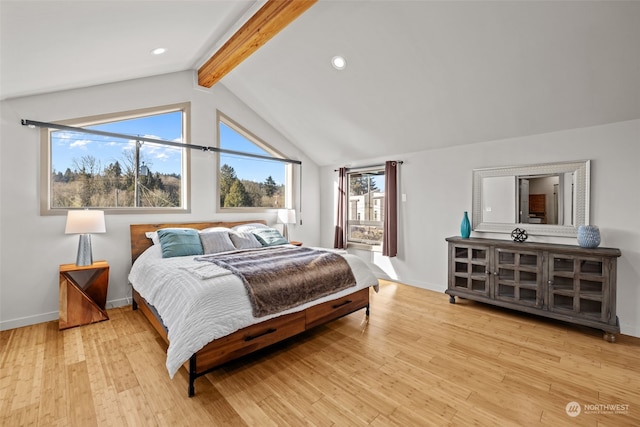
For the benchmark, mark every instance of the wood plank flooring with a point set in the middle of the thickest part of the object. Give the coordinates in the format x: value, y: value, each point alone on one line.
x: 419, y: 361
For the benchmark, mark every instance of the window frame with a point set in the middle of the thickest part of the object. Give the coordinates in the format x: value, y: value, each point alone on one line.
x: 260, y: 143
x: 46, y: 157
x: 354, y: 243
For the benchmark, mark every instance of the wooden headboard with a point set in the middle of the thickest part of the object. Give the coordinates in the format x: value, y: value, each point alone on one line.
x: 140, y: 242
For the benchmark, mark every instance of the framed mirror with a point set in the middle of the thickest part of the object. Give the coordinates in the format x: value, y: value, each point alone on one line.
x: 550, y: 199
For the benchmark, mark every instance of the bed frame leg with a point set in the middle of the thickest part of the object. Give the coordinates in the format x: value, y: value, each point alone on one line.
x: 192, y: 376
x: 134, y: 303
x: 367, y: 311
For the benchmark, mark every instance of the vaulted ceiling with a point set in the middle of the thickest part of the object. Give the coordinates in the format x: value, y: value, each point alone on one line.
x: 420, y: 74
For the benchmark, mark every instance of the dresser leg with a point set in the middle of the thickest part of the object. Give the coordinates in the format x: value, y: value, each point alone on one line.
x: 609, y: 337
x: 452, y: 299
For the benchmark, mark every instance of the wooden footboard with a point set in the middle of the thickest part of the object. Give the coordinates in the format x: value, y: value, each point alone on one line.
x: 258, y: 336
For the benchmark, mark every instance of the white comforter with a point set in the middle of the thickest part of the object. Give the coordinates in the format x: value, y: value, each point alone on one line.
x: 200, y: 302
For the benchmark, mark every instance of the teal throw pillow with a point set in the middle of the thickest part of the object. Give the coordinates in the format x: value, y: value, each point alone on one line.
x: 179, y: 242
x: 269, y: 236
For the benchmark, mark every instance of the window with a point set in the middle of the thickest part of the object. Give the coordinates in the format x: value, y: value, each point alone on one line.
x: 247, y: 182
x: 365, y: 207
x: 89, y: 170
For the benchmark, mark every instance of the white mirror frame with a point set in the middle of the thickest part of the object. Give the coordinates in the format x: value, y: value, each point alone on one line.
x: 581, y: 169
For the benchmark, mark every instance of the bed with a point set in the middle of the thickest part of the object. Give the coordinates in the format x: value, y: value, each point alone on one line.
x: 206, y: 314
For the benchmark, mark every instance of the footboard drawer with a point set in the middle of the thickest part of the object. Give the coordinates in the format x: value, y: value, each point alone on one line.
x: 250, y: 339
x: 330, y: 310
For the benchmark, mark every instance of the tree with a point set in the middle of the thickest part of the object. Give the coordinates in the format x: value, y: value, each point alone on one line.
x: 68, y: 175
x: 237, y: 196
x: 113, y: 170
x: 112, y: 175
x: 88, y: 168
x: 254, y: 191
x: 362, y: 184
x: 227, y: 179
x: 270, y: 186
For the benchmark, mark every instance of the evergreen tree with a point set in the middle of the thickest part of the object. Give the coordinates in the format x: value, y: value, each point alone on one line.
x: 362, y: 184
x: 237, y: 196
x: 112, y: 173
x: 270, y: 186
x: 227, y: 179
x: 68, y: 175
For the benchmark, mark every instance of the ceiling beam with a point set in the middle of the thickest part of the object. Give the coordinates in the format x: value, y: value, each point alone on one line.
x: 268, y: 21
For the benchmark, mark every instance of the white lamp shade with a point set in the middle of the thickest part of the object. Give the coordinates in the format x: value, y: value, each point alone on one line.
x: 286, y: 216
x: 85, y: 222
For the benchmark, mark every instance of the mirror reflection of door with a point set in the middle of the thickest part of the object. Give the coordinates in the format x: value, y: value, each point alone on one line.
x: 524, y: 200
x: 539, y: 201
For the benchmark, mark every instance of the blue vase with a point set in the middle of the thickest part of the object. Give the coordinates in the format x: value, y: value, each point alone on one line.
x: 465, y: 226
x: 588, y: 236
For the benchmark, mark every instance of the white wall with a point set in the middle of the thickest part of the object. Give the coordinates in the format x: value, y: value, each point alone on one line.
x: 32, y: 246
x: 438, y: 185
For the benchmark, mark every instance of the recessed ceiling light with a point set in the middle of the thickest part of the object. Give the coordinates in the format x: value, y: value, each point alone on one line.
x: 158, y: 51
x: 338, y: 62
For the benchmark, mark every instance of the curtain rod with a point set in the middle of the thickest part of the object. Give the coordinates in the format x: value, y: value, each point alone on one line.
x: 33, y: 123
x: 370, y: 166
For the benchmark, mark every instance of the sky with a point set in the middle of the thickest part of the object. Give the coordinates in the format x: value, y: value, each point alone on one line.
x: 246, y: 168
x: 69, y: 146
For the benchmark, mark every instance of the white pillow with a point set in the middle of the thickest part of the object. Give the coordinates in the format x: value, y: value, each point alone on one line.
x: 210, y: 229
x: 245, y: 240
x: 243, y: 228
x: 153, y: 235
x: 216, y: 241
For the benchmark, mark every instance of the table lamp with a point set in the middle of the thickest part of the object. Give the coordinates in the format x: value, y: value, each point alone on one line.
x: 286, y: 216
x: 85, y: 222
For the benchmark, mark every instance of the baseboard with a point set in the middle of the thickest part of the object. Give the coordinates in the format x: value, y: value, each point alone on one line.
x: 28, y: 320
x: 118, y: 302
x: 54, y: 315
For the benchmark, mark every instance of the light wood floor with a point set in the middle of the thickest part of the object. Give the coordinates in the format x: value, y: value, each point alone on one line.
x: 419, y: 361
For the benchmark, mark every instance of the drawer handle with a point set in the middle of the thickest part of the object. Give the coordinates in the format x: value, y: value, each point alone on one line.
x: 253, y: 337
x: 342, y: 303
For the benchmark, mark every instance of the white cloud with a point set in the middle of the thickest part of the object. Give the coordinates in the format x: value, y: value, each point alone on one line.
x: 81, y: 143
x: 64, y: 135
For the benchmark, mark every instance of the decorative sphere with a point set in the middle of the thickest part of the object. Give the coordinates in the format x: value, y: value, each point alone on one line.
x: 519, y: 235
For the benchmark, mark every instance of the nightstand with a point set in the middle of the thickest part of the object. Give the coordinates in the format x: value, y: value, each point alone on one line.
x: 83, y: 294
x: 295, y: 243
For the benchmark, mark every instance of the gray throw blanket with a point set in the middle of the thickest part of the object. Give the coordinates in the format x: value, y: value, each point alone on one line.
x: 282, y: 277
